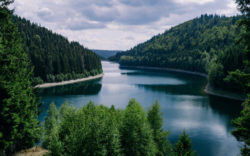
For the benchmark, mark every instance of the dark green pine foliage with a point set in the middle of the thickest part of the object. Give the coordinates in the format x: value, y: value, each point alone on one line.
x: 160, y: 137
x: 183, y: 146
x: 136, y: 134
x: 189, y: 46
x: 51, y: 137
x: 91, y: 130
x: 55, y: 58
x: 242, y: 77
x: 18, y: 105
x: 205, y: 44
x: 98, y: 130
x: 242, y: 132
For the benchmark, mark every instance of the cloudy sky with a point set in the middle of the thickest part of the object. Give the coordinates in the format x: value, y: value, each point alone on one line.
x: 116, y: 24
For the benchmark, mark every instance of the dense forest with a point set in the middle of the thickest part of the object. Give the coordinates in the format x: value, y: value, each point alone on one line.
x: 206, y: 44
x: 90, y: 130
x: 242, y: 123
x: 19, y: 127
x: 217, y: 46
x: 99, y: 130
x: 55, y: 58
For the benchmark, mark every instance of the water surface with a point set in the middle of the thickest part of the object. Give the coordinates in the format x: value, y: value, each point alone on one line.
x: 207, y: 119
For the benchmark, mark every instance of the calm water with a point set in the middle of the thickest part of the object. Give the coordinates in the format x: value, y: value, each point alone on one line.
x: 207, y: 119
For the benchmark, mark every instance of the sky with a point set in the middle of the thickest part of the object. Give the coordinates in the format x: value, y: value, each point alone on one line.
x: 116, y: 24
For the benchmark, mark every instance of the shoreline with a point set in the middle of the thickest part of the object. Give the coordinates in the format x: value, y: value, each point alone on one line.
x: 223, y: 93
x: 167, y: 69
x: 53, y: 84
x: 208, y: 88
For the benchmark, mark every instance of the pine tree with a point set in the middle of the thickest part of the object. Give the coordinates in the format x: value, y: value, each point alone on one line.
x: 18, y: 105
x: 136, y: 134
x: 91, y: 130
x: 160, y: 136
x: 53, y: 57
x: 51, y: 138
x: 242, y: 123
x: 184, y: 146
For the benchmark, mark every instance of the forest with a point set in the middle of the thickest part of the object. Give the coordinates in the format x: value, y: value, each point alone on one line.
x: 99, y: 130
x: 216, y: 45
x: 53, y: 57
x: 207, y: 44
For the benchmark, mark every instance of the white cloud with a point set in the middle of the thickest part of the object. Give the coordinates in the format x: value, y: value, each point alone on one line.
x: 201, y: 2
x: 45, y: 14
x: 116, y: 24
x: 230, y: 10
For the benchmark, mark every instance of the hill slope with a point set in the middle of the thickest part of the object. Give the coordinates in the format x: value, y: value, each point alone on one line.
x: 205, y: 44
x: 55, y: 58
x: 105, y: 54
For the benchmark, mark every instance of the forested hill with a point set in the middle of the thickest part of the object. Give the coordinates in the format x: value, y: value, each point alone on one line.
x: 55, y: 58
x: 206, y: 44
x: 105, y: 54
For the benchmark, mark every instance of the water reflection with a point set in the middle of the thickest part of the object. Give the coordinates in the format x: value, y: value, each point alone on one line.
x: 228, y: 107
x: 207, y: 119
x: 181, y: 89
x: 83, y: 88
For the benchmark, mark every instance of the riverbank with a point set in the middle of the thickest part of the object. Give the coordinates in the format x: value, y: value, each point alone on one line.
x: 208, y: 88
x: 53, y: 84
x: 166, y: 69
x: 222, y: 93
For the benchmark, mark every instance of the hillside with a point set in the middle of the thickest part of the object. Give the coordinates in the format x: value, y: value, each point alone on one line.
x: 105, y: 54
x: 55, y: 58
x: 205, y: 44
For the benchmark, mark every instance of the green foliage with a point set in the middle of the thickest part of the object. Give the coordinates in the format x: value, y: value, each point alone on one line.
x: 243, y: 6
x: 136, y: 134
x: 184, y: 146
x: 18, y: 105
x: 242, y: 77
x: 98, y: 130
x: 155, y: 118
x: 216, y: 74
x: 104, y: 54
x: 188, y: 46
x: 203, y: 44
x: 51, y: 130
x: 91, y: 130
x: 160, y: 137
x: 55, y: 58
x: 36, y: 80
x: 242, y: 133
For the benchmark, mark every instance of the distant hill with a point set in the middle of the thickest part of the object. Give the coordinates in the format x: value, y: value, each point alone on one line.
x: 55, y: 58
x: 105, y: 54
x: 205, y: 44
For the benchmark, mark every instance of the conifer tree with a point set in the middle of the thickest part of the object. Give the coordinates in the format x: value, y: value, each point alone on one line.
x: 18, y: 105
x: 242, y: 123
x: 184, y: 146
x: 136, y: 134
x: 160, y: 136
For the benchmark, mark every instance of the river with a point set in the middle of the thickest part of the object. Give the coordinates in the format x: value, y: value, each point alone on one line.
x: 207, y: 119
